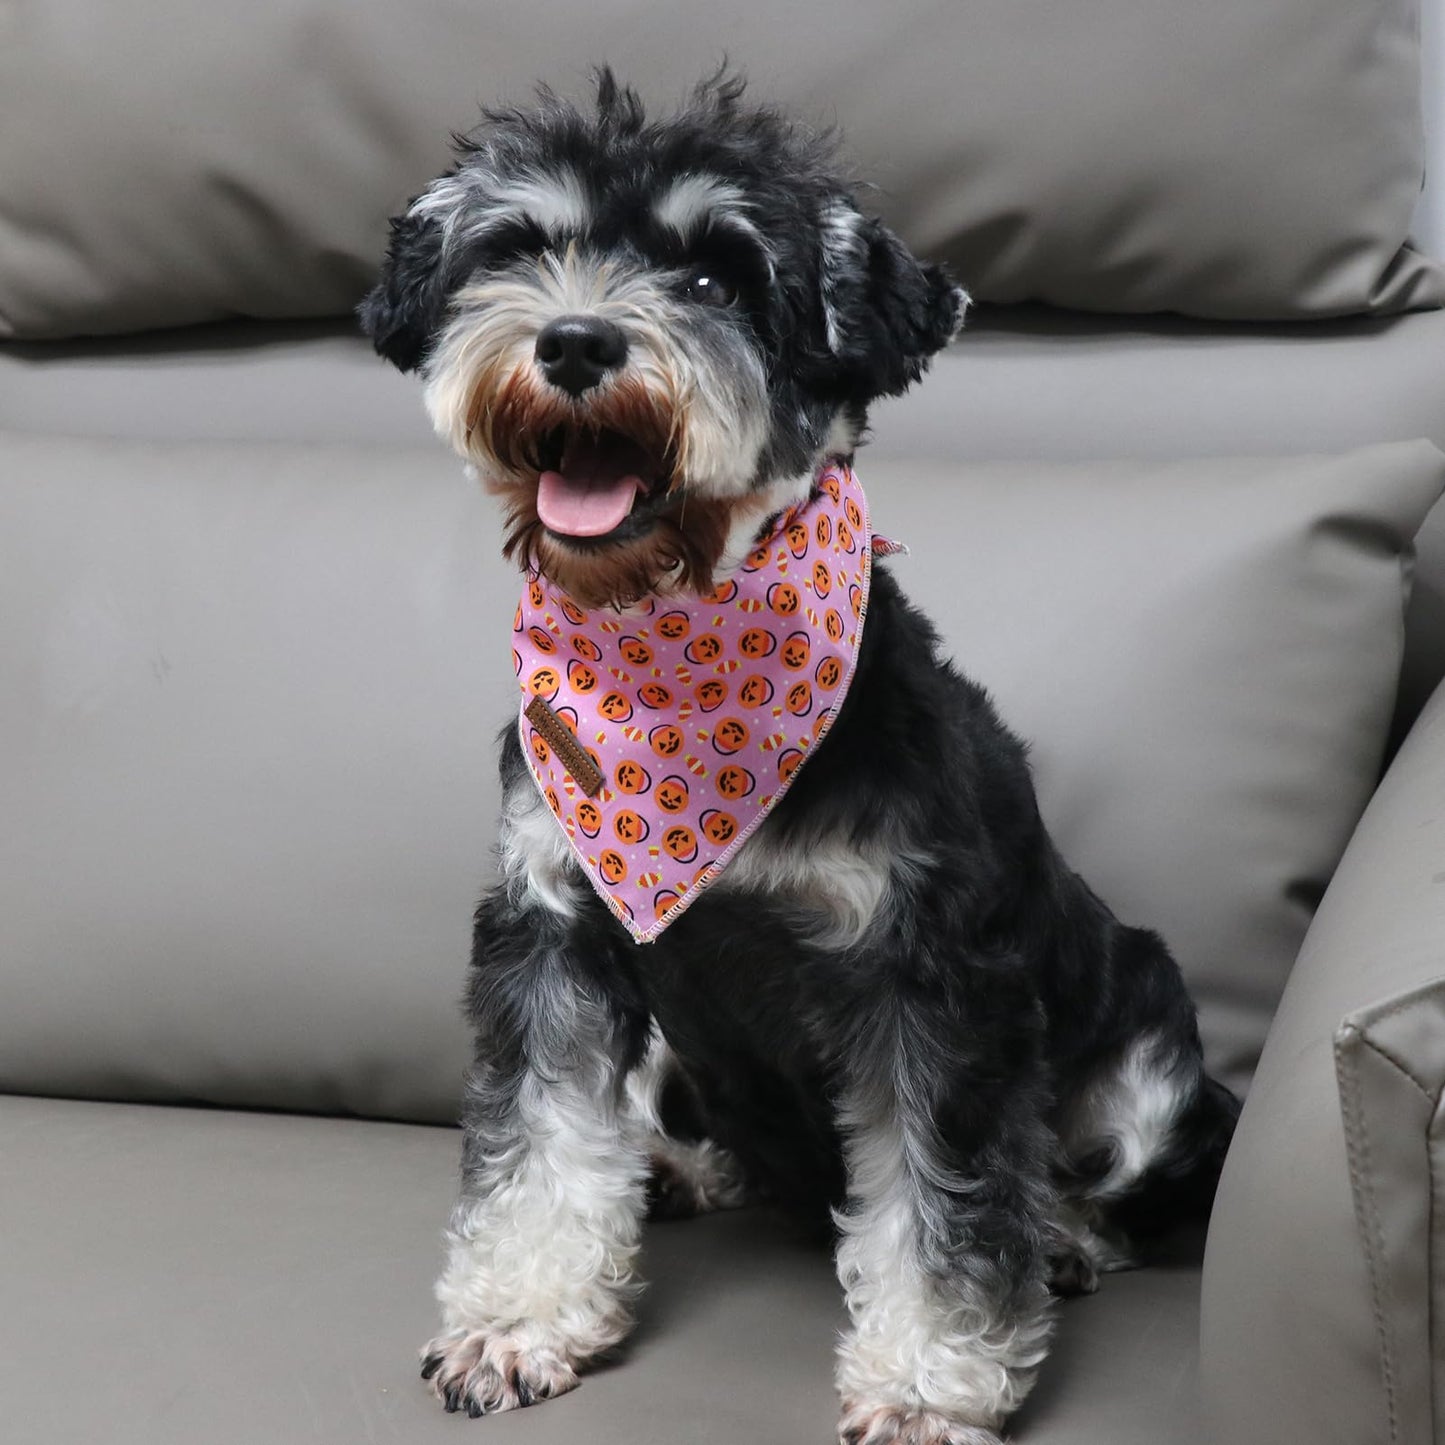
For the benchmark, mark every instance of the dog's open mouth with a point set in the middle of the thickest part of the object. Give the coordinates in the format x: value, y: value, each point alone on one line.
x: 591, y: 481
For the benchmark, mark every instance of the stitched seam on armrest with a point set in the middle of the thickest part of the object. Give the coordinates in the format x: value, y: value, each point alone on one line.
x: 1367, y: 1219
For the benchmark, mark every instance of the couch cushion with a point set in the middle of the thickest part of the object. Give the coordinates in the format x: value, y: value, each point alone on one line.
x: 1022, y: 382
x: 249, y: 695
x: 174, y: 1275
x: 163, y: 163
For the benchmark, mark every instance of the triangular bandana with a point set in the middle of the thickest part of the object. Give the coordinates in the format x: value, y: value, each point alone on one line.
x: 661, y: 738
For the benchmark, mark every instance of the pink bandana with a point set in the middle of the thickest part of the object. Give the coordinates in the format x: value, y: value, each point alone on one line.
x: 662, y: 738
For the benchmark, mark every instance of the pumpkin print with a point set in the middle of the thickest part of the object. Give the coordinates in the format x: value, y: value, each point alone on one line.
x: 666, y: 740
x: 671, y: 794
x: 711, y: 693
x: 631, y: 777
x: 615, y: 707
x: 797, y: 649
x: 757, y: 643
x: 635, y: 651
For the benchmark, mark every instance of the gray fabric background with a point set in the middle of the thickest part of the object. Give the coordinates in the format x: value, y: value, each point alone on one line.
x: 164, y: 163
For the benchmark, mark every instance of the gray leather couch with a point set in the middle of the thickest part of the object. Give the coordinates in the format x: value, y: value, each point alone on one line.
x: 252, y: 663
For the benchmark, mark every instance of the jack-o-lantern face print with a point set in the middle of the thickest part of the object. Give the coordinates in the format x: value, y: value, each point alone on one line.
x: 666, y: 740
x: 755, y: 690
x: 540, y: 750
x: 615, y: 707
x: 757, y: 642
x: 824, y: 530
x: 580, y: 677
x: 635, y: 651
x: 829, y: 484
x: 853, y: 513
x: 845, y: 537
x: 719, y: 827
x: 704, y: 649
x: 541, y: 639
x: 654, y: 695
x: 757, y: 558
x: 552, y: 802
x: 630, y: 827
x: 799, y: 699
x: 584, y: 646
x: 544, y: 682
x: 711, y: 693
x: 573, y: 613
x: 671, y: 794
x: 725, y: 593
x: 730, y: 734
x: 680, y: 842
x: 797, y: 535
x: 734, y: 782
x: 788, y: 764
x: 829, y: 673
x: 589, y: 817
x: 612, y: 866
x: 535, y: 594
x: 673, y: 625
x: 833, y: 624
x: 797, y: 649
x: 631, y: 777
x: 822, y: 579
x: 664, y: 899
x: 784, y: 599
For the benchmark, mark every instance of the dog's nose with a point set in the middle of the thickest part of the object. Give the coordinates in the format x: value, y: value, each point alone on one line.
x: 576, y: 352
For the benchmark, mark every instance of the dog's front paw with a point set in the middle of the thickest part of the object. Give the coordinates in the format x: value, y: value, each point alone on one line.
x: 484, y: 1372
x: 869, y: 1424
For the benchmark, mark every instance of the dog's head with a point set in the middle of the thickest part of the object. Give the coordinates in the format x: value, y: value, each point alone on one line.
x: 646, y: 336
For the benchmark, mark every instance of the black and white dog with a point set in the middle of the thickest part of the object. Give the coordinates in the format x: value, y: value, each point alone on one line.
x: 651, y: 339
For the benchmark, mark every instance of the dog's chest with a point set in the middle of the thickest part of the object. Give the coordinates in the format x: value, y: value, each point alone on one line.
x: 832, y: 888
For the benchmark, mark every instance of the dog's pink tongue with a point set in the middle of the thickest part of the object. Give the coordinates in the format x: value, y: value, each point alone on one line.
x: 592, y: 493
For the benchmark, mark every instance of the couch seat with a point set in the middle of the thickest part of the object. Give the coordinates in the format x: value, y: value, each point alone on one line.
x: 174, y: 1275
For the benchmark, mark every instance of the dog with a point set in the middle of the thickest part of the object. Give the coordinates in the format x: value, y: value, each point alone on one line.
x: 772, y: 872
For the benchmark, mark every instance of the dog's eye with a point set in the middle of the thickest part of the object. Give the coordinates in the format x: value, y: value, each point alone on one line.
x: 711, y: 290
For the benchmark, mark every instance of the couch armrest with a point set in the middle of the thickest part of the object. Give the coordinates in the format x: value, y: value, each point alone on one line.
x: 1320, y: 1291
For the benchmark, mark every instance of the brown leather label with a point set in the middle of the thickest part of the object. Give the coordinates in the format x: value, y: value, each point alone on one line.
x: 575, y: 758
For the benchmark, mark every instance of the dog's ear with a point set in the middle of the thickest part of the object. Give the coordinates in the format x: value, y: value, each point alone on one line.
x: 885, y: 313
x: 403, y: 311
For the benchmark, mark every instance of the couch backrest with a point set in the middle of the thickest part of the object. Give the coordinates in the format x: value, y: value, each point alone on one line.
x: 164, y: 163
x: 1429, y: 226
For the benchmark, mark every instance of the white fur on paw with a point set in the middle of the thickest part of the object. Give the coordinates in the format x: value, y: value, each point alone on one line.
x: 870, y: 1424
x: 484, y: 1373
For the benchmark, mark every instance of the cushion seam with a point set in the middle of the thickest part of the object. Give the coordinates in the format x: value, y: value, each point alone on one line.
x: 1357, y: 1153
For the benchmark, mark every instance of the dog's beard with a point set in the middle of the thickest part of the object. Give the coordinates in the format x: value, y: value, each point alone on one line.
x: 553, y: 457
x: 678, y: 554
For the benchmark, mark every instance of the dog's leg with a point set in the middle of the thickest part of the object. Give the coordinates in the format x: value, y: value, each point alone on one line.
x: 539, y: 1273
x: 943, y: 1255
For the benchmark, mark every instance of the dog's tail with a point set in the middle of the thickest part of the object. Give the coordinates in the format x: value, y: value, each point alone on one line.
x: 1179, y: 1185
